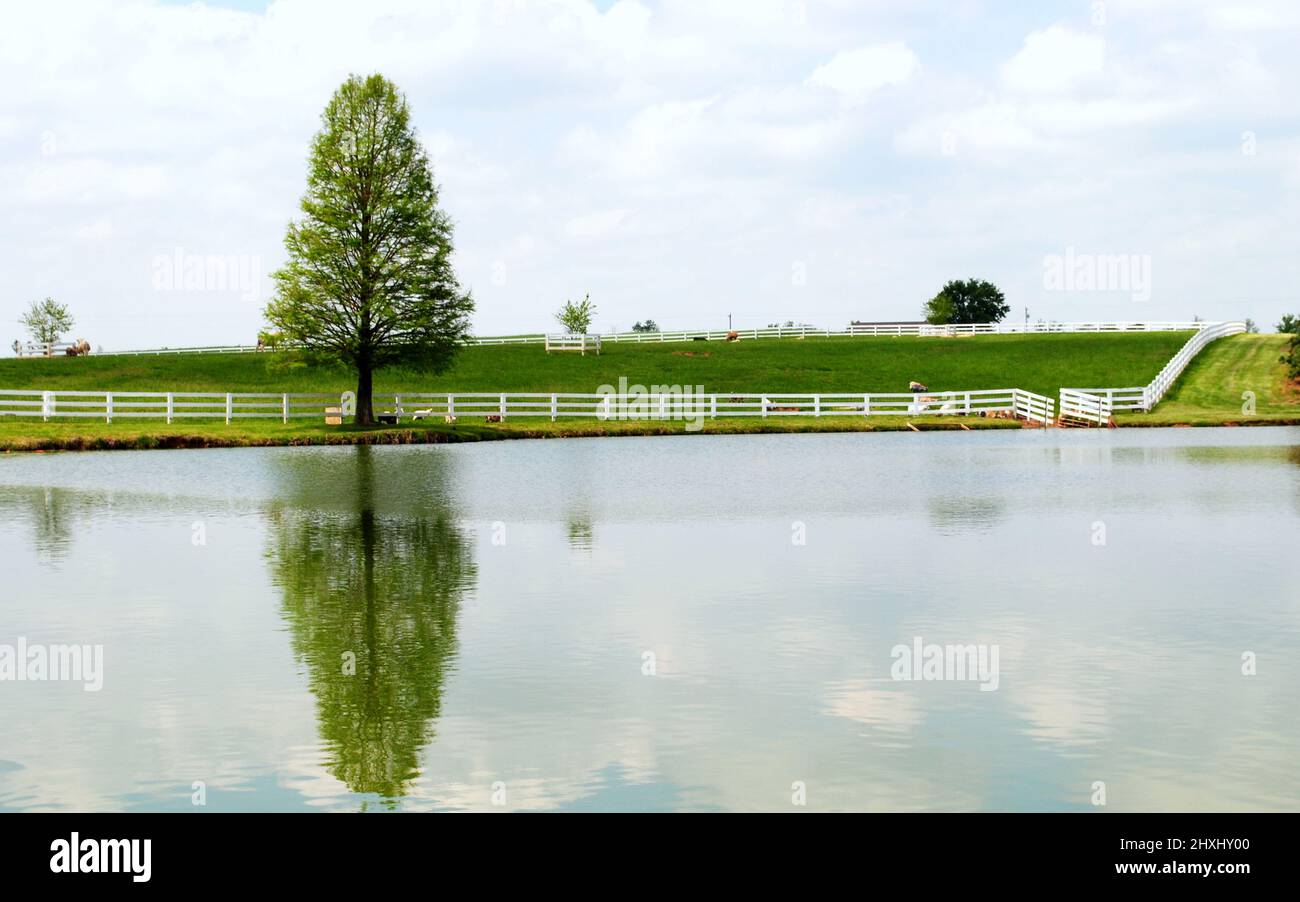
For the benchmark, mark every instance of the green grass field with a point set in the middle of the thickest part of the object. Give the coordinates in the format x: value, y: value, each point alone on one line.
x: 1037, y: 363
x: 1210, y: 391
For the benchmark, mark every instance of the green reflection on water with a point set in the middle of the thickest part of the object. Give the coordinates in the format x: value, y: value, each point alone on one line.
x: 366, y: 585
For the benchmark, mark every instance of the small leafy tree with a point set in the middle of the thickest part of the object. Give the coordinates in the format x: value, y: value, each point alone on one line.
x: 1290, y: 324
x: 369, y: 281
x: 939, y: 310
x: 647, y: 326
x: 1292, y: 357
x: 576, y: 316
x: 1251, y: 327
x: 967, y: 301
x: 47, y: 320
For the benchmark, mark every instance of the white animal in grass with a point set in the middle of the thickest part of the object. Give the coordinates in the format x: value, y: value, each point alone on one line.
x: 428, y: 412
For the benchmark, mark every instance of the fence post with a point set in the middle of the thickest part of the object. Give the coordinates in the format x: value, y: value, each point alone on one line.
x: 47, y: 405
x: 451, y: 405
x: 866, y: 405
x: 817, y: 405
x: 765, y: 403
x: 108, y: 407
x: 713, y: 407
x: 663, y: 406
x: 230, y: 407
x: 607, y: 406
x: 169, y: 407
x: 284, y: 409
x: 503, y: 408
x: 397, y: 407
x: 554, y: 408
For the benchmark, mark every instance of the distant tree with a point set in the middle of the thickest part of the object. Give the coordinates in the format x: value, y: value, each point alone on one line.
x: 369, y: 281
x: 939, y: 310
x: 1250, y: 326
x: 269, y: 340
x: 576, y: 316
x: 647, y: 326
x: 47, y: 320
x: 1290, y: 324
x: 970, y: 301
x: 1292, y: 357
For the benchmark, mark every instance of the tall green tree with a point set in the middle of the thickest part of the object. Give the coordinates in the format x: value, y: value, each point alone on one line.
x: 369, y: 281
x: 47, y: 320
x: 967, y: 301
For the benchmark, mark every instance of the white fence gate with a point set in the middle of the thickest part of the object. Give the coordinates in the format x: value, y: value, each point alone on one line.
x: 1079, y: 408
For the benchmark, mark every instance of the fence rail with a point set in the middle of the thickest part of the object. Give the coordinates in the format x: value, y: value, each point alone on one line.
x: 1174, y: 368
x: 567, y: 342
x: 416, y: 406
x: 1080, y: 406
x: 854, y: 329
x: 1146, y: 397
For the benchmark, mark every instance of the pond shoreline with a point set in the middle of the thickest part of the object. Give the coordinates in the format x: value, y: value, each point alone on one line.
x: 70, y: 437
x: 39, y: 438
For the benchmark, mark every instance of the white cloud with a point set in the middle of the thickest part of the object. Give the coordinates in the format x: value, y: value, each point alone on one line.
x: 99, y: 230
x: 579, y: 149
x: 856, y: 74
x: 1055, y: 60
x: 599, y: 224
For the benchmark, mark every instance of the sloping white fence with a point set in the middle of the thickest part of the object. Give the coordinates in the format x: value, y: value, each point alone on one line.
x: 1174, y: 368
x: 856, y: 329
x: 415, y: 406
x: 1146, y: 397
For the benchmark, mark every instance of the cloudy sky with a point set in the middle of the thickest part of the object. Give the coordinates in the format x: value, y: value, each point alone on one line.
x: 819, y: 161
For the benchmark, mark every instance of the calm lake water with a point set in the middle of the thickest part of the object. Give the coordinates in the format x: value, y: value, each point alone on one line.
x: 691, y: 623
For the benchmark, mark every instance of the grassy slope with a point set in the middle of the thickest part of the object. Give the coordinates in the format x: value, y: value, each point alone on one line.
x: 1038, y: 363
x: 1208, y: 393
x: 1210, y: 389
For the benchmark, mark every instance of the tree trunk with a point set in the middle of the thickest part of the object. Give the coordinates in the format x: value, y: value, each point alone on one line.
x: 365, y: 390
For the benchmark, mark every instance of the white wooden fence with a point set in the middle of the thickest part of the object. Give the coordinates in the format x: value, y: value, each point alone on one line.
x: 857, y: 329
x: 171, y: 406
x: 1146, y: 397
x: 1079, y: 407
x: 925, y: 329
x: 568, y: 342
x: 1174, y: 368
x: 32, y: 349
x: 415, y: 406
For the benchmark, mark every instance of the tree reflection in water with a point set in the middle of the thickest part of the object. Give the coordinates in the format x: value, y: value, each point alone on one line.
x: 372, y: 577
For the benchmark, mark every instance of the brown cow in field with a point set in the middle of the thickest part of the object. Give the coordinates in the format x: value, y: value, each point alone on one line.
x: 79, y: 348
x: 733, y: 336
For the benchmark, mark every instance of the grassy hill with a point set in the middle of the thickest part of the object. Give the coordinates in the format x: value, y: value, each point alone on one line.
x: 1038, y: 363
x: 1209, y: 392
